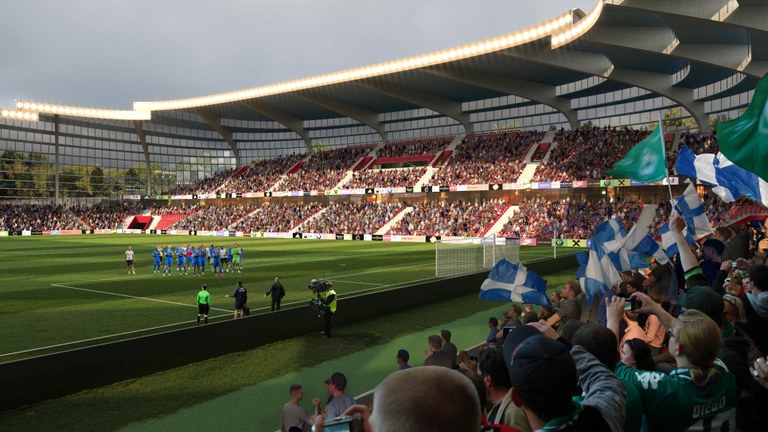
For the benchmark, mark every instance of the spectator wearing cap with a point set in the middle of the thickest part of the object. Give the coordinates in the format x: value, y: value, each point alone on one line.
x: 341, y: 401
x: 498, y: 390
x: 402, y: 358
x: 701, y: 390
x: 712, y: 256
x: 545, y: 375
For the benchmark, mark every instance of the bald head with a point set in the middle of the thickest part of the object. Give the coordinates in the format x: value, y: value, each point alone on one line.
x: 426, y: 399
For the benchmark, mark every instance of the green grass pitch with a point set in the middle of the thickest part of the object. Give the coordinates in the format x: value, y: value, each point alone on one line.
x: 66, y: 292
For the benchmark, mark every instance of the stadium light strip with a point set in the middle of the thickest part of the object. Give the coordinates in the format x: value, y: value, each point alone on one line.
x: 566, y: 36
x: 72, y: 111
x: 19, y: 115
x: 561, y: 28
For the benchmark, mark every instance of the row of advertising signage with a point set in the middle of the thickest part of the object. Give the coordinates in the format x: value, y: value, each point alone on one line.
x: 429, y: 189
x: 567, y: 243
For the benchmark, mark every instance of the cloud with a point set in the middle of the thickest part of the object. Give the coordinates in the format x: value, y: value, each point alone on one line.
x: 111, y: 53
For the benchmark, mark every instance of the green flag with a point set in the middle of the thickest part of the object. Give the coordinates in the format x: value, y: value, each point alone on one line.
x: 744, y: 141
x: 645, y: 161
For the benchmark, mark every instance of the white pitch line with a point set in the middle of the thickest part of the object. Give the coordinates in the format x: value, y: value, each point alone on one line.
x: 388, y: 269
x: 135, y: 297
x: 107, y: 336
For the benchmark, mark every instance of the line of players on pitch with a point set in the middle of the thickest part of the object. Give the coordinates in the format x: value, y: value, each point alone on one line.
x: 195, y: 259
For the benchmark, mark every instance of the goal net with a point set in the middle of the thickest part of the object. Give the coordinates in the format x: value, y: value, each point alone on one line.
x: 463, y: 256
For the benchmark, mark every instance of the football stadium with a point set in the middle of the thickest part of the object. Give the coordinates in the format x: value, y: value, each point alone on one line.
x: 559, y: 227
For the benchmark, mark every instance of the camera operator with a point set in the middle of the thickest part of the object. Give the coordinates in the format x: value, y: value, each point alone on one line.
x: 326, y: 298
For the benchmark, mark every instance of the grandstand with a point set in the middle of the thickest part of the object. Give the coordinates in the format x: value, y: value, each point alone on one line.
x: 508, y: 137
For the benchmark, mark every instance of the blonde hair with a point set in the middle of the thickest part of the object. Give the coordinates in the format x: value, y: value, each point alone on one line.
x: 701, y: 341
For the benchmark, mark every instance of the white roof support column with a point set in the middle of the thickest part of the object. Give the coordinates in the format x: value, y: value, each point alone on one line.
x: 138, y: 125
x: 225, y: 133
x: 283, y: 118
x: 530, y: 90
x: 354, y: 112
x: 447, y: 107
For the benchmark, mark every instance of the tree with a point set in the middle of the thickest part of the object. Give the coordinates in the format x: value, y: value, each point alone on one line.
x: 99, y: 186
x: 320, y: 146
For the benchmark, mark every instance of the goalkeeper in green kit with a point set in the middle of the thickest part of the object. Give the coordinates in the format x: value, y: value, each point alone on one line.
x: 203, y: 303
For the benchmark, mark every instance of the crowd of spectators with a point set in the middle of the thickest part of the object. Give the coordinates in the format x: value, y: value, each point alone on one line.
x: 206, y: 185
x: 585, y: 154
x: 324, y: 170
x: 174, y: 210
x: 421, y: 146
x: 542, y: 219
x: 352, y: 218
x: 214, y: 218
x: 394, y: 177
x: 106, y: 215
x: 495, y: 157
x: 261, y: 176
x: 277, y: 217
x: 457, y: 218
x: 37, y: 217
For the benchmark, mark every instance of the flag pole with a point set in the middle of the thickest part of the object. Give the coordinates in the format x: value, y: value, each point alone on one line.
x: 664, y: 153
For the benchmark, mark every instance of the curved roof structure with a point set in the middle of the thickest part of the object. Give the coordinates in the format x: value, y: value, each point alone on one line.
x: 695, y: 53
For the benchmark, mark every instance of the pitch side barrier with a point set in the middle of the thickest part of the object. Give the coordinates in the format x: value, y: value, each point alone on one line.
x: 41, y: 378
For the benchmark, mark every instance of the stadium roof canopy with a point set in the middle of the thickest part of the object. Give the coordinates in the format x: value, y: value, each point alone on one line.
x: 689, y: 51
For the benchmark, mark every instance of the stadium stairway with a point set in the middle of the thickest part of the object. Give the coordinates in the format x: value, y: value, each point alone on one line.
x: 499, y: 224
x: 430, y: 169
x: 155, y: 221
x: 237, y: 221
x: 387, y: 226
x: 296, y: 228
x: 530, y: 167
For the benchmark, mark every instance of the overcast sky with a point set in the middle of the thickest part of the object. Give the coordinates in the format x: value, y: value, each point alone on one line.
x: 110, y: 53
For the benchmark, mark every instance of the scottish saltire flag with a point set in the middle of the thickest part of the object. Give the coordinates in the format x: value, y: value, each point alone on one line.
x: 597, y: 274
x: 668, y: 241
x: 645, y: 162
x: 730, y: 181
x: 623, y: 259
x: 514, y: 283
x: 638, y: 241
x: 691, y: 209
x: 743, y: 140
x: 599, y: 268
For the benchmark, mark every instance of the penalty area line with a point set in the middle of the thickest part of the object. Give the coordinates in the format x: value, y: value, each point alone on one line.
x: 134, y: 297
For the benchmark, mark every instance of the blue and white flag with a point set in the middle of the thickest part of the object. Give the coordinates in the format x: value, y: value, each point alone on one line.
x: 730, y: 181
x: 638, y: 241
x: 691, y: 209
x: 613, y: 231
x: 514, y: 283
x: 598, y: 275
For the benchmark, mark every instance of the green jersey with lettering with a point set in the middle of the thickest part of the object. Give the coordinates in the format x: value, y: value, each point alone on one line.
x: 674, y: 403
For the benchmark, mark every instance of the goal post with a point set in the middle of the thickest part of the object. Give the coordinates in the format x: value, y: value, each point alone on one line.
x: 459, y: 256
